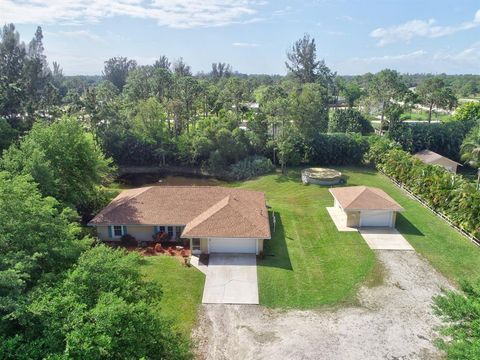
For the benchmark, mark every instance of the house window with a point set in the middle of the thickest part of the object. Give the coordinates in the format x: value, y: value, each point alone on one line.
x: 170, y: 231
x: 178, y: 231
x: 161, y: 229
x: 117, y: 231
x: 195, y: 244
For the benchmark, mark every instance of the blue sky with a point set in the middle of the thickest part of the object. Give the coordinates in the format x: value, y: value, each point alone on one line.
x: 353, y: 36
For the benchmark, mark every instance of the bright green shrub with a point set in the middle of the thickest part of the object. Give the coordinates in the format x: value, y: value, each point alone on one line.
x: 467, y: 112
x: 337, y: 149
x: 461, y: 313
x: 251, y: 167
x: 349, y: 120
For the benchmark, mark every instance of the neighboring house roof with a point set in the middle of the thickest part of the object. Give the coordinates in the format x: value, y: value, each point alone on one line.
x: 205, y: 211
x: 364, y: 198
x: 430, y: 157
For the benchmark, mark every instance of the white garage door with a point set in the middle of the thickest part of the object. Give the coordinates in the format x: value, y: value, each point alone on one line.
x: 229, y: 245
x: 376, y: 218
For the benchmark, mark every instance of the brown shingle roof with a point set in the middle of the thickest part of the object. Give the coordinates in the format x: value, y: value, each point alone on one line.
x: 364, y: 198
x: 431, y: 157
x: 206, y: 211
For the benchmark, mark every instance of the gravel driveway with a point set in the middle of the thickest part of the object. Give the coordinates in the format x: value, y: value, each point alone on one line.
x: 391, y: 321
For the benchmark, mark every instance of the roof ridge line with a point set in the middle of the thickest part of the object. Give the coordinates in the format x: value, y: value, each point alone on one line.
x: 219, y: 207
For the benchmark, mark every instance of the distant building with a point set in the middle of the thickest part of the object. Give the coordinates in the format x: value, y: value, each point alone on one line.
x: 432, y: 158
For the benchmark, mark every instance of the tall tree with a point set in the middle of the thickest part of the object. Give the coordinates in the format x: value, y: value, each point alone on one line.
x: 385, y: 87
x: 220, y: 70
x: 309, y: 107
x: 162, y: 63
x: 37, y: 243
x: 62, y: 158
x: 138, y: 85
x: 12, y: 61
x: 433, y: 92
x: 180, y: 68
x: 302, y: 60
x: 116, y: 70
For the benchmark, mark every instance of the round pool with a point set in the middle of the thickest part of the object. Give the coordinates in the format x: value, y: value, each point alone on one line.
x: 321, y: 176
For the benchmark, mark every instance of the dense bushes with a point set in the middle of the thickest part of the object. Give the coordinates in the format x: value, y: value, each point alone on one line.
x: 444, y: 139
x: 97, y: 312
x: 63, y: 159
x: 251, y: 167
x: 349, y: 120
x: 461, y: 314
x: 447, y: 193
x: 337, y: 149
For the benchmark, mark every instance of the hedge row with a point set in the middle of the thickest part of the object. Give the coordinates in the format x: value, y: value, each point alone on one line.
x: 450, y: 194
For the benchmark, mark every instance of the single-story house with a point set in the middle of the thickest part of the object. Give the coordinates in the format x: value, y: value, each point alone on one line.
x: 214, y: 219
x: 432, y: 158
x: 365, y: 206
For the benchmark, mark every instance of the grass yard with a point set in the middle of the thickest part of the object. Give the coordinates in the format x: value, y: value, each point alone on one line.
x: 423, y: 115
x: 308, y: 263
x: 182, y: 290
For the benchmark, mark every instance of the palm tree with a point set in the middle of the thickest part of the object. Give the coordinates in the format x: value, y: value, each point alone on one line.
x: 471, y: 150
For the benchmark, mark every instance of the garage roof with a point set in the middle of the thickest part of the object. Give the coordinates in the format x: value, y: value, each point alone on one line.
x: 431, y: 157
x: 364, y: 198
x: 206, y: 211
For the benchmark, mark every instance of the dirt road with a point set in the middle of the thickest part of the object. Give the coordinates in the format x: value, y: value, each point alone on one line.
x: 393, y: 320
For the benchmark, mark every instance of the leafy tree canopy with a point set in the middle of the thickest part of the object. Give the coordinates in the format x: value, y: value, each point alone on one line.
x: 62, y: 158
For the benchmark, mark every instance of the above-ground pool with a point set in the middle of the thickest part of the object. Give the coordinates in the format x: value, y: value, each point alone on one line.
x: 321, y: 176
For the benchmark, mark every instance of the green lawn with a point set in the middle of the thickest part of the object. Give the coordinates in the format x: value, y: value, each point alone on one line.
x: 182, y: 289
x: 308, y: 263
x: 423, y: 115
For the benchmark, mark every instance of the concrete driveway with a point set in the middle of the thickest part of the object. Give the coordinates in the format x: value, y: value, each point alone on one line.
x: 385, y: 239
x: 231, y: 279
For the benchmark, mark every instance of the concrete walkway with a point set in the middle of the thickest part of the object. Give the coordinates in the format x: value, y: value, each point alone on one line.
x: 385, y: 239
x: 231, y: 279
x: 196, y: 263
x: 340, y: 219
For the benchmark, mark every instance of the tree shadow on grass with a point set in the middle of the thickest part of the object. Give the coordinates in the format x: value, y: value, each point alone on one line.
x: 290, y: 175
x: 275, y: 250
x: 406, y: 227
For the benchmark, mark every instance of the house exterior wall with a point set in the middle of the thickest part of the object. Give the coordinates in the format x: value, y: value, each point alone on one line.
x: 139, y: 232
x: 102, y: 232
x: 353, y: 218
x: 260, y: 245
x: 204, y: 246
x: 142, y: 233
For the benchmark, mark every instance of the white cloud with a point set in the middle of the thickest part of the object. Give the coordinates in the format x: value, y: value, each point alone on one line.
x: 171, y: 13
x: 420, y: 28
x: 245, y: 44
x: 80, y: 34
x: 390, y: 59
x: 463, y: 60
x: 460, y: 62
x: 345, y: 18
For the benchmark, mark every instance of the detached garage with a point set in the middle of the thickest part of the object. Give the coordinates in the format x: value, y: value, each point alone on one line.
x: 363, y: 206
